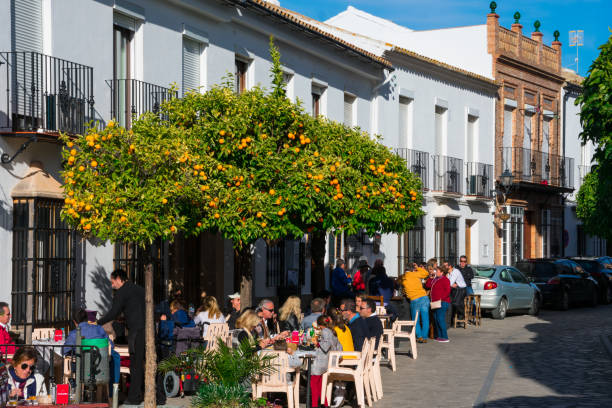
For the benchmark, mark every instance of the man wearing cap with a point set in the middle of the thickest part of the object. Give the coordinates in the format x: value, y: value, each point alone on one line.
x: 234, y: 310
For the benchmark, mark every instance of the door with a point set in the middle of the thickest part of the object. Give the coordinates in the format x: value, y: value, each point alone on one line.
x: 121, y: 103
x: 523, y: 291
x: 468, y: 239
x: 508, y: 287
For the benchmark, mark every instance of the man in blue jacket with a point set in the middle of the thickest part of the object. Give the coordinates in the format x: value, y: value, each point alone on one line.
x: 340, y: 282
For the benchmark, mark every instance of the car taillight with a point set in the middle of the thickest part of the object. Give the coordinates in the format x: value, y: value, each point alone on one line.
x: 490, y: 285
x: 554, y: 281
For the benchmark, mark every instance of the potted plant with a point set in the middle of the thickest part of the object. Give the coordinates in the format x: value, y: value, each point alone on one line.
x: 226, y: 374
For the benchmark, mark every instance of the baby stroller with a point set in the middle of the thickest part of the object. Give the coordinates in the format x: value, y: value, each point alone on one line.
x: 174, y: 340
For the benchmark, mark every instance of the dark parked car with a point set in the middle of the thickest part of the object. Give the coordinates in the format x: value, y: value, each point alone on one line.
x: 601, y: 273
x: 562, y: 282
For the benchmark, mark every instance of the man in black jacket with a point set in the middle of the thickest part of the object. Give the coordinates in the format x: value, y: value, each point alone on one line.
x: 375, y: 328
x: 129, y: 299
x: 359, y: 330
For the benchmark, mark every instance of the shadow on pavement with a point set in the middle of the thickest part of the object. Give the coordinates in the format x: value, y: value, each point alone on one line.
x: 566, y: 356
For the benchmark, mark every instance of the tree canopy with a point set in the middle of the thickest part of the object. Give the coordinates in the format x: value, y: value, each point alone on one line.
x: 250, y: 165
x: 594, y: 206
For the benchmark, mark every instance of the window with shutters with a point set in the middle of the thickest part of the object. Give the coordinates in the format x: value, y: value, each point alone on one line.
x: 317, y: 95
x: 26, y: 21
x: 441, y: 129
x: 288, y: 81
x: 406, y: 120
x: 349, y: 109
x: 122, y: 73
x: 192, y: 55
x: 241, y: 75
x: 446, y: 240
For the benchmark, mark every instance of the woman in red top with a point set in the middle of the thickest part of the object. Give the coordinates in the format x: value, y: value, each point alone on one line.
x: 440, y: 290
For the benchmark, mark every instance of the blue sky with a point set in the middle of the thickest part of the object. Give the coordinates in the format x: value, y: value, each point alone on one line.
x: 592, y: 16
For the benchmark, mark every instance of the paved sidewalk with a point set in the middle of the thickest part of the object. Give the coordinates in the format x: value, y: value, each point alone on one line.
x: 555, y: 360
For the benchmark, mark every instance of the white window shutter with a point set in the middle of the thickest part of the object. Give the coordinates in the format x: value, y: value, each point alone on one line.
x: 27, y: 22
x: 348, y: 110
x: 191, y: 64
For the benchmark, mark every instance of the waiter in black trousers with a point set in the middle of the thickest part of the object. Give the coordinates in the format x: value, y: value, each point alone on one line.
x: 130, y: 299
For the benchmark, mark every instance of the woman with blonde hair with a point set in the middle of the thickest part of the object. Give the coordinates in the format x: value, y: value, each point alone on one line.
x: 208, y: 313
x: 246, y: 323
x: 291, y: 314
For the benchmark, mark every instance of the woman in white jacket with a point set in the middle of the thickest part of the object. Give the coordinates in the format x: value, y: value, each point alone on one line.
x: 23, y: 382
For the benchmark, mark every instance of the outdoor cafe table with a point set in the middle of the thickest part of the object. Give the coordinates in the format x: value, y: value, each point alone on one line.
x: 308, y: 356
x: 44, y: 350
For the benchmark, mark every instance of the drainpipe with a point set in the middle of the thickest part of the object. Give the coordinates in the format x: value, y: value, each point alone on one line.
x: 565, y: 99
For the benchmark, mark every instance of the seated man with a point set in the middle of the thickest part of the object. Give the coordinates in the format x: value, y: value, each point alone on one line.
x: 359, y: 330
x: 5, y: 337
x: 268, y: 326
x: 316, y: 308
x: 86, y: 321
x: 373, y: 323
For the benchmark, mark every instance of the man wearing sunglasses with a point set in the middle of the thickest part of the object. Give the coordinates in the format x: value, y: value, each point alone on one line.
x: 5, y: 338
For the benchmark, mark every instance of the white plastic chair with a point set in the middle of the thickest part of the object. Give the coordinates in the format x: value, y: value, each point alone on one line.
x: 398, y: 332
x: 356, y: 373
x: 278, y: 379
x: 387, y: 341
x: 381, y: 310
x: 214, y: 331
x: 375, y: 377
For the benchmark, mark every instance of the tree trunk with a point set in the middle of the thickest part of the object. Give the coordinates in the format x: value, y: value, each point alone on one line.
x: 243, y: 275
x: 150, y: 352
x: 317, y: 251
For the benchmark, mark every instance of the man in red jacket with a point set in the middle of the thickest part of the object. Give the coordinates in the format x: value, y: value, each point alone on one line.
x: 5, y: 338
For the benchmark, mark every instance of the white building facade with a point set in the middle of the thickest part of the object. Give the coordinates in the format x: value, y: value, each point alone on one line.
x: 69, y: 62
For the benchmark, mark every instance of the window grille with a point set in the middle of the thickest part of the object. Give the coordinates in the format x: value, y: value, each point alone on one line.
x: 132, y: 259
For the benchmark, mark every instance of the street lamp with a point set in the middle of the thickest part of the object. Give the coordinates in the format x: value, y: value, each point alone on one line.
x: 506, y: 180
x: 505, y: 183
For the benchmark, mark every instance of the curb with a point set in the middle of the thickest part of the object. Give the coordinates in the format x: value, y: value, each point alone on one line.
x: 607, y: 344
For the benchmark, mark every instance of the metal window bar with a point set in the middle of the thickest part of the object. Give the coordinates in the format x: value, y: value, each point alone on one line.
x: 131, y: 258
x: 275, y: 264
x: 130, y: 98
x: 417, y: 162
x: 43, y: 264
x: 479, y: 179
x: 44, y: 93
x: 448, y: 174
x: 538, y: 167
x: 413, y: 250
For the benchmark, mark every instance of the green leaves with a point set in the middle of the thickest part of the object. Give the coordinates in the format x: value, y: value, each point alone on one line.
x: 596, y: 119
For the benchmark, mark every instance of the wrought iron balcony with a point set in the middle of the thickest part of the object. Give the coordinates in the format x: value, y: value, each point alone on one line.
x: 417, y: 162
x: 448, y: 174
x: 44, y: 94
x: 130, y: 98
x: 479, y: 179
x: 534, y: 166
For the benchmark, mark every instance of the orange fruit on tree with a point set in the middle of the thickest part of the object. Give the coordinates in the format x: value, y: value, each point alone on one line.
x: 81, y: 168
x: 263, y: 225
x: 217, y: 215
x: 94, y: 163
x: 164, y: 201
x: 73, y: 152
x: 221, y: 141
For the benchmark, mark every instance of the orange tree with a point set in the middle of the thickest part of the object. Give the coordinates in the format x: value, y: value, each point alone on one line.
x: 248, y: 166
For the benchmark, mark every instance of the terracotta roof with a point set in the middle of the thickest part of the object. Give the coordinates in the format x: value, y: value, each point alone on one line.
x: 444, y: 65
x: 300, y: 20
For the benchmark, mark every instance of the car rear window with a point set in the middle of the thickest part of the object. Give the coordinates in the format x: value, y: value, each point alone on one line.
x: 484, y: 271
x: 537, y: 269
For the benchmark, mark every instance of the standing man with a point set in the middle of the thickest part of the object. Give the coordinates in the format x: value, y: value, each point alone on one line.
x: 340, y: 282
x: 458, y: 290
x: 419, y: 301
x: 234, y: 311
x: 5, y: 337
x: 468, y: 274
x: 130, y: 299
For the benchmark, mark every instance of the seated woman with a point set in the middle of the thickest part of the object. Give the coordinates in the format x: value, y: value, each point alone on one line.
x: 208, y: 313
x: 291, y: 314
x: 22, y: 380
x: 179, y: 316
x: 246, y: 323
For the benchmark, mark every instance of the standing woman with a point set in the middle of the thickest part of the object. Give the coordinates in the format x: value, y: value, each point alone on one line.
x: 291, y: 314
x: 440, y: 301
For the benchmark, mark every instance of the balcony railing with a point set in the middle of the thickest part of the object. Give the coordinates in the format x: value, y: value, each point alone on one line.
x: 448, y: 174
x: 479, y: 179
x: 538, y: 167
x: 44, y: 93
x: 417, y: 162
x: 130, y: 98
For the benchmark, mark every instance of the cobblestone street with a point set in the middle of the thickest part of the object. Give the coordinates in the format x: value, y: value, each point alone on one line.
x: 555, y: 360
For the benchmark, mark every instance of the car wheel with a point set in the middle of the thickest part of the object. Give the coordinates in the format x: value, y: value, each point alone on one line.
x: 534, y: 310
x: 171, y: 384
x: 500, y: 311
x: 564, y: 302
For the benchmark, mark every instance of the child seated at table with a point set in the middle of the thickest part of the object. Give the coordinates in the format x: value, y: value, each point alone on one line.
x: 325, y: 342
